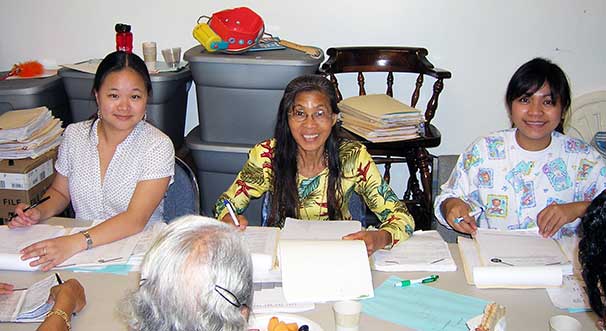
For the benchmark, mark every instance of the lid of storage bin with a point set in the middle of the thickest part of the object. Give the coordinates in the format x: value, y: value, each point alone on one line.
x: 194, y: 143
x: 27, y: 86
x: 287, y: 56
x: 184, y: 73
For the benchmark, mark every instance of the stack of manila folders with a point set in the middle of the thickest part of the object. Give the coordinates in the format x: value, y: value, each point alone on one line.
x: 303, y: 263
x: 28, y: 133
x: 381, y: 118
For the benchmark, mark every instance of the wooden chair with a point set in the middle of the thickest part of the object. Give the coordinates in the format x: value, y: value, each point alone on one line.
x: 401, y: 60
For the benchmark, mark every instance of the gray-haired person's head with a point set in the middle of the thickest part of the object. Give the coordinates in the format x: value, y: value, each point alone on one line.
x: 196, y: 276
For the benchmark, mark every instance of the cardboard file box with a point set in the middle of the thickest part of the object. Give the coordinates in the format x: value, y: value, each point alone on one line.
x: 24, y: 181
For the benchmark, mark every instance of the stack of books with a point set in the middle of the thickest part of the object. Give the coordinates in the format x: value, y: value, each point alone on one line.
x: 381, y: 118
x: 28, y: 133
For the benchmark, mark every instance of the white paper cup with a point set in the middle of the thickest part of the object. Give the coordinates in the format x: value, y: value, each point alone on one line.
x: 564, y: 323
x: 347, y: 315
x: 150, y: 54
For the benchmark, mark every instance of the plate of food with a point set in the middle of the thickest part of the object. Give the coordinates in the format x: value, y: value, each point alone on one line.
x: 281, y: 322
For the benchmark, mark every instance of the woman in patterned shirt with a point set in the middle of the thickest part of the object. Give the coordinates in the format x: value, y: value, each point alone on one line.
x: 311, y: 172
x: 114, y: 168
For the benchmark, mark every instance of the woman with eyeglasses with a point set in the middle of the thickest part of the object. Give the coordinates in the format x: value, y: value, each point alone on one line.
x: 197, y: 275
x: 311, y: 173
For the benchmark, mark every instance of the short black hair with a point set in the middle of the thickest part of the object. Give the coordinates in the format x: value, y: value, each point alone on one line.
x: 531, y: 76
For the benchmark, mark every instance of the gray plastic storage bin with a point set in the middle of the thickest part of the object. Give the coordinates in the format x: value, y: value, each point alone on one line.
x: 239, y: 94
x: 35, y: 92
x: 217, y: 166
x: 166, y: 109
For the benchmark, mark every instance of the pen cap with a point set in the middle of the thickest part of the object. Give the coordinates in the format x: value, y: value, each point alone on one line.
x: 405, y: 283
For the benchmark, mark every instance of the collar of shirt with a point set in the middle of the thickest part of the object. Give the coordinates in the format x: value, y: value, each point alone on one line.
x: 94, y: 137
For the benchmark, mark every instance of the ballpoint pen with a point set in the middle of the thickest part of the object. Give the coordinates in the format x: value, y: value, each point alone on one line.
x: 231, y: 212
x: 471, y: 214
x: 58, y: 278
x: 424, y: 280
x: 30, y: 207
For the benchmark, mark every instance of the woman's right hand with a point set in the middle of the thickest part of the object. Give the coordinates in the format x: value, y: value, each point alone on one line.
x: 453, y: 208
x: 68, y: 296
x: 24, y: 219
x: 241, y: 219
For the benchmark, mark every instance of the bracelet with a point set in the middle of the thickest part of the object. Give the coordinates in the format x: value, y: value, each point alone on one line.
x: 62, y: 314
x: 89, y: 240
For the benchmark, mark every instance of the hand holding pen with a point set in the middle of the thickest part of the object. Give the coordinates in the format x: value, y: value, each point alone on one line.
x: 233, y: 218
x: 26, y: 216
x: 460, y: 215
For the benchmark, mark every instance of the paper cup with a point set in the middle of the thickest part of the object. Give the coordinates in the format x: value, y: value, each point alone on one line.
x: 347, y: 315
x: 564, y: 323
x: 149, y: 51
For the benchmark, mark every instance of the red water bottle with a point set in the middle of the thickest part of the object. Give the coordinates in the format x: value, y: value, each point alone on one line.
x: 124, y: 38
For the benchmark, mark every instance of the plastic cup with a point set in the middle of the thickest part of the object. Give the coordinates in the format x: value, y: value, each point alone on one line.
x: 172, y: 56
x: 150, y: 55
x: 347, y: 315
x: 564, y: 323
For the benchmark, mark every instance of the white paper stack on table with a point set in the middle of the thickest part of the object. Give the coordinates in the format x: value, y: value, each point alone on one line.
x: 30, y: 305
x: 424, y: 251
x: 28, y: 133
x: 381, y: 118
x: 513, y: 259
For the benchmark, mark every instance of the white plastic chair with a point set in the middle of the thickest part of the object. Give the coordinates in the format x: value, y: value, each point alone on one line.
x: 587, y: 116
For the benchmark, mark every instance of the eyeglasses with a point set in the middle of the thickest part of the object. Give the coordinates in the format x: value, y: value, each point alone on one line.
x: 228, y: 296
x: 222, y: 291
x: 318, y: 116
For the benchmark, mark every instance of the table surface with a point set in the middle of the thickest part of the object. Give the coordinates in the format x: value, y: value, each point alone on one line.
x: 526, y: 309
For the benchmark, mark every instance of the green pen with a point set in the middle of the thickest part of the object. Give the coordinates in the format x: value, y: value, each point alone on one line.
x: 424, y: 280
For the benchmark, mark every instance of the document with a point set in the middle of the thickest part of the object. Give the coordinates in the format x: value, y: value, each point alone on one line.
x: 271, y: 300
x: 12, y: 241
x: 499, y: 275
x: 572, y: 296
x: 262, y: 243
x: 424, y: 251
x: 325, y: 270
x: 317, y: 230
x: 28, y: 305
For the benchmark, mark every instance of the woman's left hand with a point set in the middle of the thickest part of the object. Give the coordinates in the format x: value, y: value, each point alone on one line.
x: 554, y: 216
x: 52, y: 252
x: 374, y: 240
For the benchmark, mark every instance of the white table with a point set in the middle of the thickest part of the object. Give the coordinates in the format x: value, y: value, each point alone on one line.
x: 526, y: 309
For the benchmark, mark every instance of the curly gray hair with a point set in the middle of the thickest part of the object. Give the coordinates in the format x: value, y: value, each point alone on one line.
x: 196, y: 276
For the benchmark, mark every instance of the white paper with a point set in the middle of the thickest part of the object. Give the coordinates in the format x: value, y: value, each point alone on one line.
x: 116, y: 252
x: 272, y: 301
x: 323, y: 270
x: 14, y: 240
x: 424, y: 251
x: 517, y: 277
x: 262, y: 243
x: 571, y: 295
x: 317, y: 230
x: 29, y: 305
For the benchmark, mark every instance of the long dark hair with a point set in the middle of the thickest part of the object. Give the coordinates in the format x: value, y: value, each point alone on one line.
x: 531, y: 76
x: 285, y: 199
x: 118, y: 61
x: 592, y: 252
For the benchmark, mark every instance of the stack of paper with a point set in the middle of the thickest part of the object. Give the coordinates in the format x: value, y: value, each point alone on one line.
x: 30, y: 305
x: 380, y: 118
x: 511, y: 259
x: 28, y: 133
x: 424, y: 251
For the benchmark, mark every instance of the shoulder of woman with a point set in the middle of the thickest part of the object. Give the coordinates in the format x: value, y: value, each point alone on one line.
x: 346, y: 144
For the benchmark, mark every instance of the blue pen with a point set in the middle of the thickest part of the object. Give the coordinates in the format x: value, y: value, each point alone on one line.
x: 231, y: 211
x: 471, y: 214
x: 425, y: 280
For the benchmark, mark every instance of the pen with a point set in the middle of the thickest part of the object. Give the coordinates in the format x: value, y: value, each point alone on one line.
x: 471, y: 214
x: 425, y: 280
x: 58, y: 278
x: 231, y: 212
x: 20, y: 289
x: 32, y: 206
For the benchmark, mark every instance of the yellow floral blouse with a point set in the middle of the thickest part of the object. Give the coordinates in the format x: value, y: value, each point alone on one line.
x: 360, y: 174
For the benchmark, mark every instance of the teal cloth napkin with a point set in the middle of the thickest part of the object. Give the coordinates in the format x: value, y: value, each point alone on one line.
x: 422, y: 307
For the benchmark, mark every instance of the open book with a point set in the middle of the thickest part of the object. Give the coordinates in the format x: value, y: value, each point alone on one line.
x: 513, y: 259
x: 29, y: 305
x: 424, y: 251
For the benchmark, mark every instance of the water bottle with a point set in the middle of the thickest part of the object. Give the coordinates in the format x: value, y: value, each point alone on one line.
x: 124, y: 38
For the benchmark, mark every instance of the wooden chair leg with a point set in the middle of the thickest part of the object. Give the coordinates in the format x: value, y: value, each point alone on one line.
x: 423, y: 162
